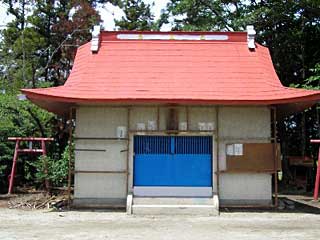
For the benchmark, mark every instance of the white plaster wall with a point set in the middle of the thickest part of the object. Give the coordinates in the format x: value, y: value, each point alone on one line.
x: 99, y: 185
x: 105, y: 154
x: 112, y: 155
x: 244, y: 122
x: 244, y: 187
x: 99, y: 122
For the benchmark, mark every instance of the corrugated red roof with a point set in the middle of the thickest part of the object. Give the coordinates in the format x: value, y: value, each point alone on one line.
x: 221, y: 72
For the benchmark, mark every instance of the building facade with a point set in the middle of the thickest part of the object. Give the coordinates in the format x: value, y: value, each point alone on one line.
x: 174, y: 121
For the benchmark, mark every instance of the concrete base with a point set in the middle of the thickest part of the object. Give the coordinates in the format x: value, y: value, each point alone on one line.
x: 246, y: 202
x: 99, y: 203
x: 175, y: 206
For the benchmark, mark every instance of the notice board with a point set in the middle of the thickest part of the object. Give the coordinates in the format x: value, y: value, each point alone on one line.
x: 256, y: 157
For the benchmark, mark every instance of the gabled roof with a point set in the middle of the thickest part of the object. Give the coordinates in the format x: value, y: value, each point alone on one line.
x: 174, y: 70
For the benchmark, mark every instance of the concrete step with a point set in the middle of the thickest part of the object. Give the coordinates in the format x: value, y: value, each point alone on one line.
x: 172, y: 201
x: 203, y: 210
x: 173, y: 205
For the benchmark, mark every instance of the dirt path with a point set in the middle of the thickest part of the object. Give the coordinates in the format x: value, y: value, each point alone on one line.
x: 19, y: 224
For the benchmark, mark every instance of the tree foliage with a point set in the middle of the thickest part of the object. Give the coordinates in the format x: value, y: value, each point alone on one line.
x: 138, y: 15
x: 39, y: 45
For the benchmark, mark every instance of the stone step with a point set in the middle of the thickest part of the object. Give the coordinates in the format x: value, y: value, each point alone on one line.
x: 148, y: 209
x: 172, y: 201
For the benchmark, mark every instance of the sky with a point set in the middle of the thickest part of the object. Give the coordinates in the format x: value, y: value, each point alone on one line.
x: 107, y: 11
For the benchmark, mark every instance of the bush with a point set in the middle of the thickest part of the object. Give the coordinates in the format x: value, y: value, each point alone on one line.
x: 57, y: 172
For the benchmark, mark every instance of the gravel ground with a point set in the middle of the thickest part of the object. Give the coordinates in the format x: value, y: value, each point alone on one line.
x: 41, y: 224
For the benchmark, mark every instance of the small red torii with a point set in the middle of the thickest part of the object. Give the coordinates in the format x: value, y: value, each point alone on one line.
x: 17, y: 151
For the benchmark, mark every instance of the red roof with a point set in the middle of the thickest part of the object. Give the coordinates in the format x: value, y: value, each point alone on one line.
x: 223, y: 72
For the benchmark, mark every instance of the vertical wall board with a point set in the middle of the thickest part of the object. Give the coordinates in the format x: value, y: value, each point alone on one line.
x: 93, y: 185
x: 245, y: 186
x: 201, y: 114
x: 99, y: 121
x: 113, y: 158
x: 142, y: 115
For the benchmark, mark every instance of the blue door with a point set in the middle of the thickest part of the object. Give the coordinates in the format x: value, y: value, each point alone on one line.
x: 184, y: 161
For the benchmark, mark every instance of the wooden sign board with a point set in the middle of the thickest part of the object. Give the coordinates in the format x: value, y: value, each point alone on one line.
x: 256, y: 157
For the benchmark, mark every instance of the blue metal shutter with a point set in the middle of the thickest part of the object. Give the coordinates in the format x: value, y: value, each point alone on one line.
x: 172, y: 161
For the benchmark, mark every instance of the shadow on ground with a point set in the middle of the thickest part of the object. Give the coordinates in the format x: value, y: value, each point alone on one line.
x: 296, y: 207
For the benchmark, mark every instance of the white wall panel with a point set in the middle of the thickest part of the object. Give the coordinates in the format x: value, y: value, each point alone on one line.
x: 245, y: 186
x: 98, y: 185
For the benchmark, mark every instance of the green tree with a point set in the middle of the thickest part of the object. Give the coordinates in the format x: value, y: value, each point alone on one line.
x: 138, y: 15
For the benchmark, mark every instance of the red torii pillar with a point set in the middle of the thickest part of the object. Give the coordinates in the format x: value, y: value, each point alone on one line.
x: 17, y: 151
x: 316, y: 185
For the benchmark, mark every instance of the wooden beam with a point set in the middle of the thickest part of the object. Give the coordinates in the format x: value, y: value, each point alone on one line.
x: 95, y: 171
x: 70, y: 157
x: 217, y: 143
x: 275, y: 160
x: 128, y: 152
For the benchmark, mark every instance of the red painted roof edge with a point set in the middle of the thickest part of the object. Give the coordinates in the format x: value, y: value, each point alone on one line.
x: 233, y: 36
x: 313, y: 95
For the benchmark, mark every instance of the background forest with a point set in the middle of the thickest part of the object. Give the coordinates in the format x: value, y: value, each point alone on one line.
x: 38, y: 46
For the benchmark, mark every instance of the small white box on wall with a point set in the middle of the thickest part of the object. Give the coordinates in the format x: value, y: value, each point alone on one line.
x: 121, y: 132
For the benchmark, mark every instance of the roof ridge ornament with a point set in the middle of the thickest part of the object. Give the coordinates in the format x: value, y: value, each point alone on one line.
x: 95, y: 38
x: 251, y: 33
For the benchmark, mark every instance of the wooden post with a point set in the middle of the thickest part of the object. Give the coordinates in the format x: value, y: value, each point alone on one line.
x: 70, y: 158
x: 274, y: 114
x: 187, y: 116
x: 128, y: 153
x: 217, y: 143
x: 14, y: 164
x: 158, y: 118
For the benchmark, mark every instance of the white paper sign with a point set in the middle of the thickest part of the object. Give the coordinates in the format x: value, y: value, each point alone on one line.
x: 210, y: 126
x: 238, y: 149
x: 152, y: 125
x: 183, y: 126
x: 230, y: 150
